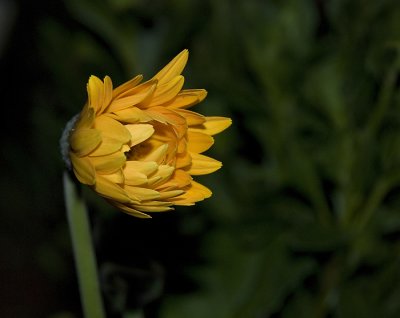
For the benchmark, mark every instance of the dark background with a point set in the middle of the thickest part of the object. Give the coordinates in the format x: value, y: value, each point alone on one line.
x: 305, y: 216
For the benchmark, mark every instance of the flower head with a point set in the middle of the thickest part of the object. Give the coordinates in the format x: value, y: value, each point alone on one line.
x: 138, y: 146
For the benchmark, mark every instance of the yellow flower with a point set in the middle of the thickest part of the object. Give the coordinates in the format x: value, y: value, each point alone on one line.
x: 138, y: 146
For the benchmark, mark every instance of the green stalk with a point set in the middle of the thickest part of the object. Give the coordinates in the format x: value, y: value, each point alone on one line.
x: 85, y: 259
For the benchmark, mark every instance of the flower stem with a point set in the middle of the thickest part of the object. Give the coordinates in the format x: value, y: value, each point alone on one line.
x: 85, y: 259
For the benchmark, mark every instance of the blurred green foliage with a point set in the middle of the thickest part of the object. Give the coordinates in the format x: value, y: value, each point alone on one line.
x: 305, y: 217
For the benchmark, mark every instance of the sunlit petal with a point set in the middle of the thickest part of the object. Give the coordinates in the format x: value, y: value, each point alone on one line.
x: 213, y: 125
x: 199, y: 142
x: 173, y: 68
x: 203, y: 165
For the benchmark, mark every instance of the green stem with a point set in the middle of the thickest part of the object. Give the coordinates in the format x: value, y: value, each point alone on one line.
x: 85, y: 258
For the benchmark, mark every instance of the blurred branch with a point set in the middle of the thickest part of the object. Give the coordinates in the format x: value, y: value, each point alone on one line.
x: 107, y: 28
x: 385, y: 95
x: 382, y: 187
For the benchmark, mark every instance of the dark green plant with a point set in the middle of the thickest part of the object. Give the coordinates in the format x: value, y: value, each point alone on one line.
x: 305, y: 218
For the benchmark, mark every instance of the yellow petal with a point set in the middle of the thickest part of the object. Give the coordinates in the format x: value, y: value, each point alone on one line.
x: 107, y: 146
x: 139, y: 132
x: 83, y: 169
x: 107, y: 95
x: 86, y: 118
x: 125, y: 148
x: 170, y: 194
x: 179, y: 179
x: 153, y: 180
x: 183, y: 160
x: 141, y: 194
x: 165, y: 115
x: 110, y: 163
x: 199, y: 142
x: 133, y: 97
x: 203, y: 165
x: 156, y: 208
x: 192, y: 118
x: 136, y: 179
x: 158, y: 154
x: 129, y: 210
x: 183, y: 201
x: 182, y: 146
x: 110, y: 190
x: 164, y: 93
x: 182, y: 178
x: 83, y: 141
x: 127, y: 86
x: 187, y: 98
x: 145, y: 167
x: 131, y: 115
x: 196, y: 192
x: 116, y: 177
x: 203, y: 190
x: 95, y: 93
x: 213, y: 125
x: 164, y: 172
x: 133, y: 177
x: 173, y: 68
x: 113, y: 129
x: 155, y: 203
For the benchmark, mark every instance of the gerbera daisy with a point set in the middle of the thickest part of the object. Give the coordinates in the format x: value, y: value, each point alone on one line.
x: 139, y: 147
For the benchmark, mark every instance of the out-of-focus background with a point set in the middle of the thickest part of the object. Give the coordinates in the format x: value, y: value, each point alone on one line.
x: 305, y: 217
